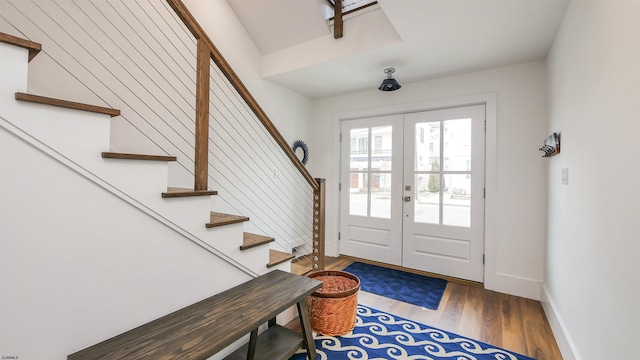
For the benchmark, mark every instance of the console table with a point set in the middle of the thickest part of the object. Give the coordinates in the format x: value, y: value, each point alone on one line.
x: 201, y: 330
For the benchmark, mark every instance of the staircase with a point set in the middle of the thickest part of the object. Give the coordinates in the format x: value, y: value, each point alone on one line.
x: 80, y: 133
x: 76, y: 136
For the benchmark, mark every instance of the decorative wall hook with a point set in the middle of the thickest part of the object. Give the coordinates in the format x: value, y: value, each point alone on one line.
x: 551, y: 145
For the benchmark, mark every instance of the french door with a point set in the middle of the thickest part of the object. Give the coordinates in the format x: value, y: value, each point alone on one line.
x: 371, y: 178
x: 412, y: 190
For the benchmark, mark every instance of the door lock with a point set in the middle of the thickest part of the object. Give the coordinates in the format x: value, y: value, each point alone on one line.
x: 407, y: 198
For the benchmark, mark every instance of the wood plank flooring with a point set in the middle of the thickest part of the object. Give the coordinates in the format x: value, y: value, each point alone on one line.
x: 510, y: 322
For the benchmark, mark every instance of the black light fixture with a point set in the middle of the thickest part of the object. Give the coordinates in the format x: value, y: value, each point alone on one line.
x: 389, y: 84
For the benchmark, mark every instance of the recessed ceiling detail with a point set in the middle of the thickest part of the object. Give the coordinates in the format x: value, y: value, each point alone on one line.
x: 279, y: 24
x: 426, y: 38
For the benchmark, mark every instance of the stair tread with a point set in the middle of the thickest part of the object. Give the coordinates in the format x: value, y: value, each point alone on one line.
x: 114, y: 155
x: 66, y: 104
x: 252, y: 240
x: 278, y: 257
x: 184, y: 192
x: 220, y: 219
x: 33, y: 47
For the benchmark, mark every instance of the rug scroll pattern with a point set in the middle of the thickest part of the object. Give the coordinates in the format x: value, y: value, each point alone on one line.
x: 380, y: 335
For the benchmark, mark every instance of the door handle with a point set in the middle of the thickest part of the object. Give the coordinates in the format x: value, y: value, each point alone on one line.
x: 407, y: 198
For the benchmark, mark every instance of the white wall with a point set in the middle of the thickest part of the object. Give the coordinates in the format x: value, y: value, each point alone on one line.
x: 592, y: 282
x: 520, y: 200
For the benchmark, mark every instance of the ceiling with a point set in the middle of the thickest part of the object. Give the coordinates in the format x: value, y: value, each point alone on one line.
x: 422, y: 39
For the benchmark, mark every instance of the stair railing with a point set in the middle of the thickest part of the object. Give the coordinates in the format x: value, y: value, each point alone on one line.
x: 207, y: 51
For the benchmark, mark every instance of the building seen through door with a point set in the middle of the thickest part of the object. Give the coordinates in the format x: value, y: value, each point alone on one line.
x: 456, y: 188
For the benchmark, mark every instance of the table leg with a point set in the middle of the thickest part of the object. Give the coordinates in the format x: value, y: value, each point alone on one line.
x: 306, y: 329
x: 253, y: 340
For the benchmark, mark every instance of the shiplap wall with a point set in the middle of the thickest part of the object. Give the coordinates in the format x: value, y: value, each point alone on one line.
x: 138, y: 56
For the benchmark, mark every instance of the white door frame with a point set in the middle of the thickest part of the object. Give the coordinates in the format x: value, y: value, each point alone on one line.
x: 490, y: 221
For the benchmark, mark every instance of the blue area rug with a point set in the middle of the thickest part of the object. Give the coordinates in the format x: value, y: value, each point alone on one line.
x: 379, y: 335
x: 399, y: 285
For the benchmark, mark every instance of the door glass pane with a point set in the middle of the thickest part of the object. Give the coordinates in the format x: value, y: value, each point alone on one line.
x: 358, y: 194
x: 381, y: 153
x: 457, y: 200
x: 427, y: 202
x: 359, y: 149
x: 427, y: 145
x: 381, y: 195
x: 457, y: 145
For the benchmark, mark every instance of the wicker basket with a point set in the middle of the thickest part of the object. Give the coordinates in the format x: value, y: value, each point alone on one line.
x: 332, y: 309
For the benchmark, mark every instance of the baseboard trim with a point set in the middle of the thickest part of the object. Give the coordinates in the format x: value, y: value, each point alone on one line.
x: 566, y: 345
x: 515, y: 285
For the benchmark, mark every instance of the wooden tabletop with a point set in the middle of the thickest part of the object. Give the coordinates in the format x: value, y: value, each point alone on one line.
x: 204, y: 328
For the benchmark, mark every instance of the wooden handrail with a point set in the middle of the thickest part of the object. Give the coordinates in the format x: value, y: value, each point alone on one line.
x: 196, y: 30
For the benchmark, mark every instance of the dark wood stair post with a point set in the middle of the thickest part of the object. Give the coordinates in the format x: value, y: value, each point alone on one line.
x: 201, y: 166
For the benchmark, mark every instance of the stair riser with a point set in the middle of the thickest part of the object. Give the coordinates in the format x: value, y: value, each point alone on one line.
x: 13, y: 72
x: 285, y: 266
x: 192, y: 212
x: 73, y: 89
x: 143, y: 180
x: 78, y: 135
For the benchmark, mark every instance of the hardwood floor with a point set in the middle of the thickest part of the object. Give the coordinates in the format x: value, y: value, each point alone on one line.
x: 467, y: 309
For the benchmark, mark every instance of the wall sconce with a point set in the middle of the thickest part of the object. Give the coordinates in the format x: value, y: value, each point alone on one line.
x: 389, y: 84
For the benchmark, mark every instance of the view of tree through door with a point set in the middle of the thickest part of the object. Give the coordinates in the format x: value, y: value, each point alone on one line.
x: 419, y: 193
x: 443, y: 227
